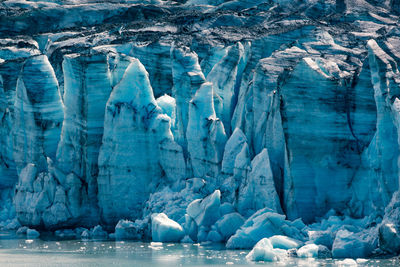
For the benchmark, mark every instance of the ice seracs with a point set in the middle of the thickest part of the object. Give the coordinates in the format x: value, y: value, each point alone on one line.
x: 205, y: 133
x: 37, y: 127
x: 223, y: 76
x: 258, y: 190
x: 187, y: 79
x: 38, y: 113
x: 129, y: 158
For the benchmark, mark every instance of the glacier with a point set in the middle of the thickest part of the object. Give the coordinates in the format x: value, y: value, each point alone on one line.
x: 264, y: 125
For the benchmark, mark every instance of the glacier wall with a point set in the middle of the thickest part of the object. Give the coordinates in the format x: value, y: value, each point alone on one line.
x: 128, y: 109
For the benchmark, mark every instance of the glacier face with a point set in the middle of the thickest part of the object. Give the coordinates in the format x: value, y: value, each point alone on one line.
x: 203, y: 119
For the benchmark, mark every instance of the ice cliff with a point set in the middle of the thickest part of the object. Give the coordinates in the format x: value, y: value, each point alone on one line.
x: 272, y: 124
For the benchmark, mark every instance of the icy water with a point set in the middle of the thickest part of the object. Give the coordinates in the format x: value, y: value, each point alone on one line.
x: 15, y: 251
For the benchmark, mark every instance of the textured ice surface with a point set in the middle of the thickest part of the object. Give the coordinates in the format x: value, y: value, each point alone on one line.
x: 130, y: 157
x: 284, y: 242
x: 238, y: 120
x: 265, y: 223
x: 38, y: 112
x: 205, y: 211
x: 126, y: 230
x: 205, y: 134
x: 163, y: 229
x: 308, y: 251
x: 264, y: 251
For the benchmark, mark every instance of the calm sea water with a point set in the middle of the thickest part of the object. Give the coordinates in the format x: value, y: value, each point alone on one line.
x: 15, y: 251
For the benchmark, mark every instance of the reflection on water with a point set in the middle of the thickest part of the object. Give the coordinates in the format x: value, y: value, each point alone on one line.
x: 27, y: 252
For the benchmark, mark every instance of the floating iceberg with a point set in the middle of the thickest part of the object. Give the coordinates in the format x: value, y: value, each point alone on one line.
x: 263, y: 224
x: 163, y: 229
x: 264, y: 251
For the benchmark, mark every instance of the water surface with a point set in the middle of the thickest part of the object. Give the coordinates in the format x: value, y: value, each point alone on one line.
x: 17, y: 251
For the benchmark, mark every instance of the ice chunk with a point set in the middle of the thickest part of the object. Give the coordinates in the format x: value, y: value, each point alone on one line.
x: 214, y: 236
x: 97, y: 232
x: 232, y: 148
x: 85, y: 234
x: 389, y: 238
x: 163, y: 229
x: 174, y: 201
x: 228, y: 224
x: 226, y: 208
x: 308, y: 251
x: 264, y: 251
x: 389, y: 229
x: 346, y: 262
x: 22, y: 230
x: 168, y: 106
x: 240, y: 170
x: 12, y: 224
x: 321, y: 238
x: 125, y: 230
x: 205, y: 211
x: 361, y: 261
x: 265, y: 223
x: 324, y: 252
x: 187, y: 239
x: 284, y: 242
x: 32, y: 233
x: 191, y: 228
x: 351, y: 245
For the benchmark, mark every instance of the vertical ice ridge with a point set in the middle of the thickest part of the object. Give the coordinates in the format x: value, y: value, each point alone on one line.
x: 223, y: 76
x: 130, y: 159
x: 8, y: 172
x: 38, y: 114
x: 380, y: 158
x: 205, y: 134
